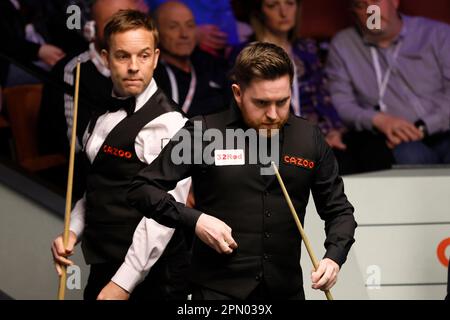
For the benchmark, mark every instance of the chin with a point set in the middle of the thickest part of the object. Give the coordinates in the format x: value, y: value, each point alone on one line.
x: 185, y: 53
x: 287, y: 28
x: 133, y: 91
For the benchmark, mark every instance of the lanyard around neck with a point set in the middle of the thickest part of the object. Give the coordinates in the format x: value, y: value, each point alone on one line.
x: 295, y: 101
x: 174, y: 86
x: 383, y: 81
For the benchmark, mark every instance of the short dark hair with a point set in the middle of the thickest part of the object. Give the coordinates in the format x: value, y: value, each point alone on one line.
x: 261, y: 60
x: 125, y: 20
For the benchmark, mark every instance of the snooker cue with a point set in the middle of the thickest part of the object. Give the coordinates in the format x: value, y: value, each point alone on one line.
x: 63, y: 278
x: 299, y: 225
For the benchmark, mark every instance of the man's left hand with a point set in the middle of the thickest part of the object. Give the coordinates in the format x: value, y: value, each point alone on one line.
x: 113, y: 292
x: 325, y: 277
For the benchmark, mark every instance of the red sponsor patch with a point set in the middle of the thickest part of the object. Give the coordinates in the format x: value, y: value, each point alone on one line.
x: 299, y: 162
x: 116, y: 152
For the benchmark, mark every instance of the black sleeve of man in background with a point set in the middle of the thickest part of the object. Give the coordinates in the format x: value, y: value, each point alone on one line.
x: 148, y: 191
x: 14, y: 43
x: 332, y: 204
x: 52, y: 123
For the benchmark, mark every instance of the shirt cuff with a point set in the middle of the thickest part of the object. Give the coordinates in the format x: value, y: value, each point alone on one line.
x: 189, y: 217
x: 77, y: 227
x: 435, y: 123
x: 127, y: 277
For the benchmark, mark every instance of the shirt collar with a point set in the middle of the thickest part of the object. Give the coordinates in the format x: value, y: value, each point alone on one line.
x: 98, y: 61
x: 404, y: 31
x: 146, y: 95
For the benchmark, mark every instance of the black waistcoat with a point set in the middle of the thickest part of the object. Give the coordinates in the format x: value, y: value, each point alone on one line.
x: 110, y: 221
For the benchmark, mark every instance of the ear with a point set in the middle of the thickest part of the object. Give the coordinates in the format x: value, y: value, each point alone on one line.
x: 105, y: 57
x: 156, y: 53
x: 237, y: 93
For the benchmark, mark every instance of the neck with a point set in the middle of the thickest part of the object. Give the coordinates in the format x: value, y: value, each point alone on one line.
x: 280, y: 39
x: 386, y: 40
x: 183, y: 63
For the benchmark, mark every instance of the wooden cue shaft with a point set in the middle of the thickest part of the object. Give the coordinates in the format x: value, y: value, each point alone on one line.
x: 299, y: 226
x: 63, y: 278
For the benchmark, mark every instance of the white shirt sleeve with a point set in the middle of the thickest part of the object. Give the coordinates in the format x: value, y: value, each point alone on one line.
x: 151, y: 238
x: 149, y: 241
x: 77, y: 217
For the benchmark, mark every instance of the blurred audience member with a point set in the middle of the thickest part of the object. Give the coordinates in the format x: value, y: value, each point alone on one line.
x: 216, y: 24
x: 194, y: 79
x: 392, y: 84
x: 51, y: 17
x: 22, y: 42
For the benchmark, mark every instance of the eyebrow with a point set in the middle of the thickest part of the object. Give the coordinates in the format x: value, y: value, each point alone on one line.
x: 126, y: 52
x: 266, y: 100
x: 180, y: 22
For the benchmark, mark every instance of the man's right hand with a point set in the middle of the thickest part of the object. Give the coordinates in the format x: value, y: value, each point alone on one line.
x: 60, y: 253
x: 396, y: 130
x: 215, y: 233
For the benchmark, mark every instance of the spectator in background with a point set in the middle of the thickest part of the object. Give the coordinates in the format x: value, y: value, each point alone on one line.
x: 392, y: 84
x: 193, y: 78
x: 22, y: 42
x: 216, y: 24
x: 276, y: 21
x: 51, y: 16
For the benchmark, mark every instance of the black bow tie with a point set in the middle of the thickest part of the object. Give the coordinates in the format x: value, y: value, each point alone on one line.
x: 127, y: 104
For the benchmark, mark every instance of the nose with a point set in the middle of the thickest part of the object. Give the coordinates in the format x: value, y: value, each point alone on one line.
x: 133, y: 66
x: 183, y: 32
x: 271, y: 112
x: 283, y: 10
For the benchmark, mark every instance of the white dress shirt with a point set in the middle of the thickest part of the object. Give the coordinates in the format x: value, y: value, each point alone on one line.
x: 150, y: 238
